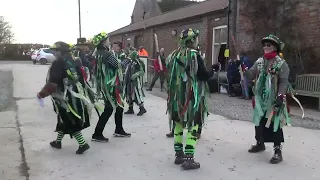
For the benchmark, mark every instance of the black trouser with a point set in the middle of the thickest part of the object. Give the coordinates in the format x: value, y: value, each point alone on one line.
x: 155, y: 78
x: 263, y: 134
x: 233, y: 78
x: 103, y: 119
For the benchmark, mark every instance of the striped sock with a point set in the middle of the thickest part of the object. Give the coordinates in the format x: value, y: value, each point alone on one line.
x: 60, y: 136
x: 79, y: 138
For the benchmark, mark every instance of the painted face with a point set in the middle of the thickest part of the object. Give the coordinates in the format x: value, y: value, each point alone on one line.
x: 268, y: 47
x: 115, y: 47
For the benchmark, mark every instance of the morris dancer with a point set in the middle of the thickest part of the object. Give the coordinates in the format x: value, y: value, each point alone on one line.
x: 66, y: 86
x: 120, y: 55
x: 271, y: 74
x: 109, y: 84
x: 187, y: 91
x: 118, y: 51
x: 134, y: 84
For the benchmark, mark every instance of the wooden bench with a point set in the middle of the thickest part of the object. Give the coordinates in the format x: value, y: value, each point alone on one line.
x: 308, y: 85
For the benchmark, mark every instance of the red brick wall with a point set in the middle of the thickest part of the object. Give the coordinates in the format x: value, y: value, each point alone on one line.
x: 308, y: 13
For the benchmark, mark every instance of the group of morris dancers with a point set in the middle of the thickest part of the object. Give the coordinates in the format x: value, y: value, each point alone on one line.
x: 118, y: 81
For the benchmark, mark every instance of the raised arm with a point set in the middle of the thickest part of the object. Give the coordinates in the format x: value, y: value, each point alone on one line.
x: 251, y: 73
x: 56, y: 75
x: 110, y: 59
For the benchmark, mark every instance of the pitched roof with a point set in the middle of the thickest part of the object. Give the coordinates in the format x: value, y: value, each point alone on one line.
x: 179, y: 14
x: 170, y: 5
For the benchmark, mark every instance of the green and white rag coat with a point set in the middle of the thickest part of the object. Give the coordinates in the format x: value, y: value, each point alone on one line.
x: 271, y: 80
x: 187, y: 94
x: 133, y: 80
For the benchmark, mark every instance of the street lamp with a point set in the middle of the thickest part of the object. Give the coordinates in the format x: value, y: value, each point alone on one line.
x: 79, y: 18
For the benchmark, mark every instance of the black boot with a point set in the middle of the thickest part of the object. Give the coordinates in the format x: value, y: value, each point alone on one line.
x: 189, y: 162
x: 170, y: 134
x: 257, y: 148
x: 149, y: 89
x: 179, y: 157
x: 83, y: 148
x: 161, y: 87
x: 142, y: 111
x: 277, y: 157
x: 130, y: 111
x: 56, y: 144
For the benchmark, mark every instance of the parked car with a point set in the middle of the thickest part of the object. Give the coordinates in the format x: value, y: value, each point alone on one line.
x: 44, y: 56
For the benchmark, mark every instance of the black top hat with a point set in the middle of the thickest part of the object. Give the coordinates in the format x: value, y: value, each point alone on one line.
x: 82, y: 41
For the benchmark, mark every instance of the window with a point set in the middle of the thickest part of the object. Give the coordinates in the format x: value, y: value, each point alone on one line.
x: 47, y: 51
x: 219, y: 40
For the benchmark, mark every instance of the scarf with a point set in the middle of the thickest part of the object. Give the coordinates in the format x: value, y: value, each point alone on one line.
x: 271, y: 55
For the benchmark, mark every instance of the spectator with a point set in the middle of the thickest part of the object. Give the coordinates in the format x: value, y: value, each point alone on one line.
x: 143, y: 52
x: 158, y: 72
x: 233, y: 76
x: 245, y: 65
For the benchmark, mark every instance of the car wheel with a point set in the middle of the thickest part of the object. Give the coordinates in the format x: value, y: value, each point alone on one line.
x: 43, y: 61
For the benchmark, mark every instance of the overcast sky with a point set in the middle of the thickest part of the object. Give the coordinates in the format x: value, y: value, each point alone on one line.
x: 48, y: 21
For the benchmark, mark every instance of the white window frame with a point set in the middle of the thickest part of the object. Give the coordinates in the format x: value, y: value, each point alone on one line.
x: 213, y: 41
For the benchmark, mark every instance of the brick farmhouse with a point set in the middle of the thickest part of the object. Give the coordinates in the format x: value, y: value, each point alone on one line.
x: 210, y: 17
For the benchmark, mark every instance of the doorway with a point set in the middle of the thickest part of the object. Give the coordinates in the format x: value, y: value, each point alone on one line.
x: 219, y: 43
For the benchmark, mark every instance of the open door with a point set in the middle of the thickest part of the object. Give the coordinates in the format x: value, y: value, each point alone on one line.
x: 221, y: 59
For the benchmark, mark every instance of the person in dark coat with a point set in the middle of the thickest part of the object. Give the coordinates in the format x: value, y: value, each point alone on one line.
x: 233, y: 76
x: 64, y: 80
x: 80, y: 51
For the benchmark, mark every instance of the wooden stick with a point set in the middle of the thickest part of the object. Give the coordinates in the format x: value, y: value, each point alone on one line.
x: 157, y: 50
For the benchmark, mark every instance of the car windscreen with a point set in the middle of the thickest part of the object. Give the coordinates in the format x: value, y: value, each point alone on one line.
x: 47, y: 51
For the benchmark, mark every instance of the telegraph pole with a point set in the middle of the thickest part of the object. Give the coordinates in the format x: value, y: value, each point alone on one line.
x: 79, y: 7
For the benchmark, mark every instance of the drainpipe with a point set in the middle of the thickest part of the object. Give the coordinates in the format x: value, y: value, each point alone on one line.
x: 228, y: 25
x: 227, y: 51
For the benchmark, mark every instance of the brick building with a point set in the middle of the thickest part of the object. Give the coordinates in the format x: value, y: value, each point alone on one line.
x: 210, y: 17
x: 167, y: 25
x: 302, y: 49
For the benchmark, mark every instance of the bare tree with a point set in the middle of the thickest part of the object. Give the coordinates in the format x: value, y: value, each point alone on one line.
x: 6, y: 34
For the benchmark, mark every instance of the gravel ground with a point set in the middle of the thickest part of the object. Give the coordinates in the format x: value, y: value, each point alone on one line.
x: 6, y: 90
x: 238, y: 109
